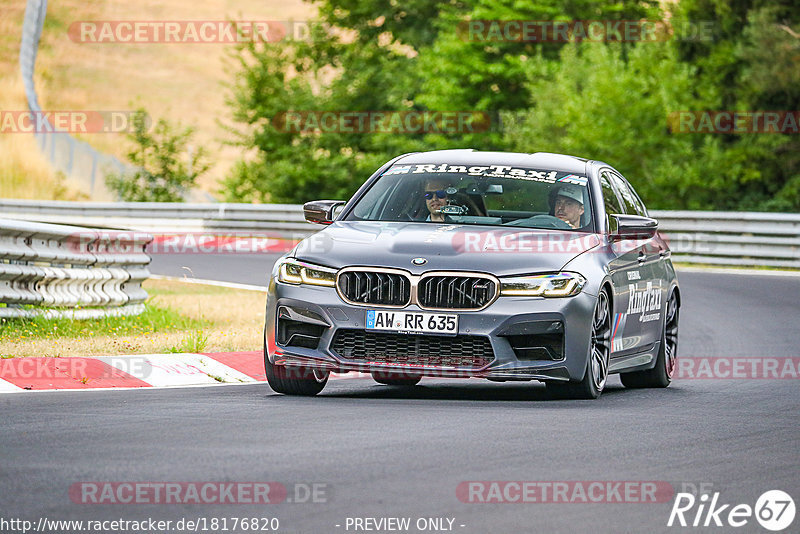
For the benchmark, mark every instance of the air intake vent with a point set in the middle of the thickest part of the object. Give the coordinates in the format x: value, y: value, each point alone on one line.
x: 298, y: 334
x: 463, y: 351
x: 538, y: 346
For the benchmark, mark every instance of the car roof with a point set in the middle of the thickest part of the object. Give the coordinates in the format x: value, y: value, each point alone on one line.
x: 468, y: 156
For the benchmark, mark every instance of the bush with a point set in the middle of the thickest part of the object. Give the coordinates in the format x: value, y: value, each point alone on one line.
x: 164, y: 169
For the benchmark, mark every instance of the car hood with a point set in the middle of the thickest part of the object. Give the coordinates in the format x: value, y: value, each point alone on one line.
x: 500, y: 251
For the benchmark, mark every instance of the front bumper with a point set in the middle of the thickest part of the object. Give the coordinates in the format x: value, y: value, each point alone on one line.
x: 507, y: 316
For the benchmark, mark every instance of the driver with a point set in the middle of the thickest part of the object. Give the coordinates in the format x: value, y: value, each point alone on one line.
x: 569, y: 205
x: 435, y: 194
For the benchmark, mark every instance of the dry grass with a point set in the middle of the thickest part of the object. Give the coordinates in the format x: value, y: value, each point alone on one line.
x: 24, y: 170
x: 237, y: 315
x: 234, y: 321
x: 181, y: 82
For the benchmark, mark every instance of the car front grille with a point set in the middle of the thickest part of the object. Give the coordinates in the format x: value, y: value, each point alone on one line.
x: 462, y: 351
x: 375, y: 287
x: 436, y: 291
x: 455, y: 292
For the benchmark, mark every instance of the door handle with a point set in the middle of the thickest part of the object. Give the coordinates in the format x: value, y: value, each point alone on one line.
x: 642, y: 257
x: 663, y: 253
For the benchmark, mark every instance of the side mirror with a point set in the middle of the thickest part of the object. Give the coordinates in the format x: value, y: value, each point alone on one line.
x: 321, y: 211
x: 631, y: 227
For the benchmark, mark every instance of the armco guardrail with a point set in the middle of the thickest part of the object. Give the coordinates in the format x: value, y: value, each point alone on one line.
x: 721, y: 238
x: 732, y: 237
x: 70, y: 271
x: 164, y: 216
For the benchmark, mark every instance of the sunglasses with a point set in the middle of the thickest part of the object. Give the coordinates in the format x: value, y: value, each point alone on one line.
x: 439, y: 194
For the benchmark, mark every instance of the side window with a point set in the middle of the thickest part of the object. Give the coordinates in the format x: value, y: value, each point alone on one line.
x: 638, y: 200
x: 609, y: 196
x: 632, y: 203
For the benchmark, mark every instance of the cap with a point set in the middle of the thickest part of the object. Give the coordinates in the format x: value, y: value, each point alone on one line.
x: 571, y: 192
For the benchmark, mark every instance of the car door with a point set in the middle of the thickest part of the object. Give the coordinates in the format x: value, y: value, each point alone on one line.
x: 646, y: 281
x: 625, y: 271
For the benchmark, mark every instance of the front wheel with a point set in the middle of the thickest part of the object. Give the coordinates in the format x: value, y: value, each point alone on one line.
x: 660, y: 376
x: 303, y: 381
x: 596, y: 374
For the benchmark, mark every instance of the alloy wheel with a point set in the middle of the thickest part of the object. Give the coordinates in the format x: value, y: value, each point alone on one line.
x: 601, y: 342
x: 671, y: 335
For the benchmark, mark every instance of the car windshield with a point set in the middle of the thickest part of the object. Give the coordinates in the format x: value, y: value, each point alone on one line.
x: 493, y: 195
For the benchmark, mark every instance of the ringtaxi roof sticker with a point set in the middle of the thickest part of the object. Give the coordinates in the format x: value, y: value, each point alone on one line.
x: 490, y: 171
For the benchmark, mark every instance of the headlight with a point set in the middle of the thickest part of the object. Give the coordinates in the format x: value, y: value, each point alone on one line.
x: 292, y: 271
x: 543, y: 285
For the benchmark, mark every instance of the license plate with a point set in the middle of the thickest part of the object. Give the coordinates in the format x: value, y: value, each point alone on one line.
x: 412, y: 322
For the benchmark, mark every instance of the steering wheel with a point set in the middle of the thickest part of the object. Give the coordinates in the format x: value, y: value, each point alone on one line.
x: 542, y: 221
x: 550, y: 221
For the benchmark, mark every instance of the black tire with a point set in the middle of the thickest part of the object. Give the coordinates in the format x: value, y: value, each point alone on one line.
x: 396, y: 379
x: 596, y: 374
x: 661, y: 375
x: 294, y: 380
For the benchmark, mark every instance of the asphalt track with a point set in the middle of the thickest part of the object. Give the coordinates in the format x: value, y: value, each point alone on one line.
x: 385, y: 452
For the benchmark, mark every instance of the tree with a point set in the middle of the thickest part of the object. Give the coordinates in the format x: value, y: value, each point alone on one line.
x: 163, y: 170
x: 367, y: 70
x: 752, y: 63
x: 599, y: 100
x: 622, y: 118
x: 472, y: 70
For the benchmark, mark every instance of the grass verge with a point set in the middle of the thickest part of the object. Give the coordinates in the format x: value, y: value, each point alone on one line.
x: 154, y: 319
x: 179, y: 317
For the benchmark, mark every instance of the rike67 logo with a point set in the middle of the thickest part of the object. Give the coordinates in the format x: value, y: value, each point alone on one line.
x: 774, y: 510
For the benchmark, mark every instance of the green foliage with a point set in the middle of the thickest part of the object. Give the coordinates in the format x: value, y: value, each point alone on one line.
x: 622, y: 119
x: 194, y: 342
x: 164, y: 171
x: 608, y: 101
x: 752, y: 63
x: 463, y: 71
